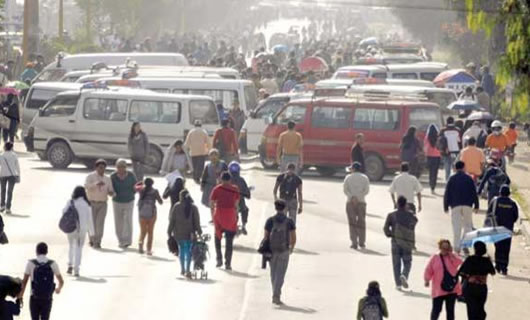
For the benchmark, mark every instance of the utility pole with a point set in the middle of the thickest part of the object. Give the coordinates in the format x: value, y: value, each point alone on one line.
x: 25, y: 34
x: 61, y: 21
x: 30, y: 38
x: 88, y: 19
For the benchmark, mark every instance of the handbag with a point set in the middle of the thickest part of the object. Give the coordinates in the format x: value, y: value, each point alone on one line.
x: 449, y: 281
x: 17, y: 178
x: 3, y: 238
x: 173, y: 246
x: 5, y: 122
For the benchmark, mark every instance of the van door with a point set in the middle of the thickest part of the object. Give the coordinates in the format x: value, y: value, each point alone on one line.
x: 101, y: 128
x: 204, y: 111
x: 36, y: 99
x: 57, y: 120
x: 330, y: 137
x: 255, y: 124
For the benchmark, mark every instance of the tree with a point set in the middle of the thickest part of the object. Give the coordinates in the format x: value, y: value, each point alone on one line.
x: 513, y: 68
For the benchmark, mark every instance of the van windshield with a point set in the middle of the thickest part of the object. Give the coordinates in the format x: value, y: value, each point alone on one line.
x: 203, y: 110
x: 51, y: 75
x: 61, y: 106
x: 39, y: 97
x: 225, y: 98
x: 421, y: 118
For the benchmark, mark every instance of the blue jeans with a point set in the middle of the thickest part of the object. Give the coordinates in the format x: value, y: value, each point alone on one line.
x: 448, y: 164
x: 185, y: 254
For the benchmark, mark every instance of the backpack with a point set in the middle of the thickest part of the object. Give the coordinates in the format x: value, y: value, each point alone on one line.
x: 498, y: 179
x: 372, y: 309
x: 70, y: 219
x: 42, y: 286
x: 278, y: 239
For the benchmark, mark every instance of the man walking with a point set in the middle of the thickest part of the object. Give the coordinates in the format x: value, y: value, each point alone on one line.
x: 290, y: 148
x: 280, y: 231
x: 123, y: 182
x: 198, y: 145
x: 399, y: 226
x: 99, y: 188
x: 41, y: 272
x: 460, y: 195
x: 225, y: 140
x: 356, y: 187
x: 505, y: 212
x: 449, y: 143
x: 290, y: 186
x: 408, y: 186
x: 473, y: 159
x: 357, y: 152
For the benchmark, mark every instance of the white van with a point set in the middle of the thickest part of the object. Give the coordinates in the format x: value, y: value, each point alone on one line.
x: 90, y: 124
x: 414, y: 71
x: 345, y: 83
x: 62, y: 65
x: 39, y: 94
x: 222, y: 91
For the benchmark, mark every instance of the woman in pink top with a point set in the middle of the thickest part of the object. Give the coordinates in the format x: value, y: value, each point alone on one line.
x: 433, y: 154
x: 434, y: 273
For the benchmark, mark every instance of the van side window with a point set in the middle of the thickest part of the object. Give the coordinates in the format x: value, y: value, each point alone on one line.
x: 421, y: 118
x: 376, y: 119
x: 224, y: 97
x: 270, y: 108
x: 379, y: 75
x: 203, y: 110
x: 155, y: 111
x: 61, y: 107
x: 105, y: 109
x: 409, y: 75
x: 292, y: 113
x: 429, y: 76
x: 331, y: 117
x: 38, y: 98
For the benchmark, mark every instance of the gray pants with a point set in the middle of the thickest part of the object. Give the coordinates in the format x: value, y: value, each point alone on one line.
x: 138, y: 169
x: 278, y: 265
x: 401, y: 256
x: 286, y: 159
x: 99, y: 212
x: 292, y: 208
x: 357, y: 222
x: 123, y: 213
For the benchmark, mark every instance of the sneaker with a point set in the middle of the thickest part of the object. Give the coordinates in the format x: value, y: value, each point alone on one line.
x: 404, y: 282
x: 8, y: 211
x: 244, y: 231
x: 182, y: 273
x: 228, y: 268
x: 2, y: 209
x: 362, y: 246
x: 354, y: 247
x: 188, y: 275
x: 277, y: 301
x: 149, y: 253
x: 504, y: 272
x: 76, y: 274
x: 140, y: 249
x: 219, y: 264
x: 69, y: 270
x: 398, y: 288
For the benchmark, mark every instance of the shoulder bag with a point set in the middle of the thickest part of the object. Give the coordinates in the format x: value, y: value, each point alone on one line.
x: 449, y: 282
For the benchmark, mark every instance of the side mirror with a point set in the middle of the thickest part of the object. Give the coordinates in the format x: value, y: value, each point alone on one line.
x: 252, y: 114
x: 41, y: 112
x: 269, y: 120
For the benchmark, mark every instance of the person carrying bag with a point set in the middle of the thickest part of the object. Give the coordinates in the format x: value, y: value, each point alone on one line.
x: 9, y: 176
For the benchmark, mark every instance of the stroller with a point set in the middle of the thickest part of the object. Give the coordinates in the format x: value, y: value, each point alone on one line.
x: 199, y: 254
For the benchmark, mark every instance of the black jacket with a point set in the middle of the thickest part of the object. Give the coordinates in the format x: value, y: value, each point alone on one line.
x: 460, y: 191
x: 506, y: 211
x: 357, y: 155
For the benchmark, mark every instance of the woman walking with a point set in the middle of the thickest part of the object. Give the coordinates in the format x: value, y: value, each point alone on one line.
x: 373, y: 305
x: 184, y: 226
x: 11, y: 110
x: 435, y: 273
x: 410, y: 151
x: 211, y: 175
x: 9, y: 176
x: 433, y: 155
x: 76, y: 239
x: 175, y: 159
x: 123, y: 182
x: 138, y: 145
x: 474, y: 271
x: 149, y: 196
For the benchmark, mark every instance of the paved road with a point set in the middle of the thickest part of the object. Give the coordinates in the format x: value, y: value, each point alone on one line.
x: 324, y: 281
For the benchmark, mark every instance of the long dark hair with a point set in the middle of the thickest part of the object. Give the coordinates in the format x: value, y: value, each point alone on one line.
x: 373, y: 289
x: 132, y: 133
x: 432, y: 134
x: 80, y: 192
x: 409, y: 137
x: 185, y: 198
x: 148, y: 186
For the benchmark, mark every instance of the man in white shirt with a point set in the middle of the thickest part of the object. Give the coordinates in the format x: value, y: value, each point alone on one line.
x: 41, y: 271
x: 356, y: 187
x: 408, y: 186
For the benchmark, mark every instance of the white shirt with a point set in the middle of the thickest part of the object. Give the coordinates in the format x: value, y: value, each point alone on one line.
x: 30, y: 266
x: 473, y: 131
x: 453, y: 139
x: 406, y: 185
x: 84, y: 211
x: 9, y: 165
x: 356, y: 185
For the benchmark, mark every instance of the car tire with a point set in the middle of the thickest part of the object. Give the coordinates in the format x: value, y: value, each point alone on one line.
x: 326, y: 171
x: 59, y: 155
x: 375, y: 167
x: 42, y: 156
x: 268, y: 164
x: 153, y: 160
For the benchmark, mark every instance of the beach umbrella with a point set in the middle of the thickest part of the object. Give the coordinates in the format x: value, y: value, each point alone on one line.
x: 486, y: 235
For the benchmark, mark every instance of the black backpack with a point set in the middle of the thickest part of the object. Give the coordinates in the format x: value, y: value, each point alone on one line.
x: 449, y: 281
x: 42, y: 286
x: 70, y: 219
x: 372, y: 309
x: 498, y: 179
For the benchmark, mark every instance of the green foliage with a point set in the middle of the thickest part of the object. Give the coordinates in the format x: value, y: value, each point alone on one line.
x: 513, y: 68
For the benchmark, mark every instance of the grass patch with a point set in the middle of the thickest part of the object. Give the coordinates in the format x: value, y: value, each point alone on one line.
x: 517, y: 196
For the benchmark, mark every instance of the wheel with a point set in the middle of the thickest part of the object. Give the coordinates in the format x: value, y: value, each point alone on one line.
x: 375, y: 168
x: 59, y: 155
x: 268, y: 164
x: 153, y: 161
x: 42, y: 156
x: 326, y: 171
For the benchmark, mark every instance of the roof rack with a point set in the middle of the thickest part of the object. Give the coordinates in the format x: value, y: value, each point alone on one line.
x: 385, y: 95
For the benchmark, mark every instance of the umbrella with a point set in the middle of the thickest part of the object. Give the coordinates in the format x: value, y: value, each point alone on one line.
x: 280, y: 48
x: 480, y: 115
x: 19, y: 85
x: 464, y: 105
x: 453, y: 75
x: 6, y: 91
x: 172, y: 177
x: 486, y: 235
x: 316, y: 64
x: 368, y: 41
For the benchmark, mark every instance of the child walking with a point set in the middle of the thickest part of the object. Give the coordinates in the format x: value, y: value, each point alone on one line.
x: 149, y: 196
